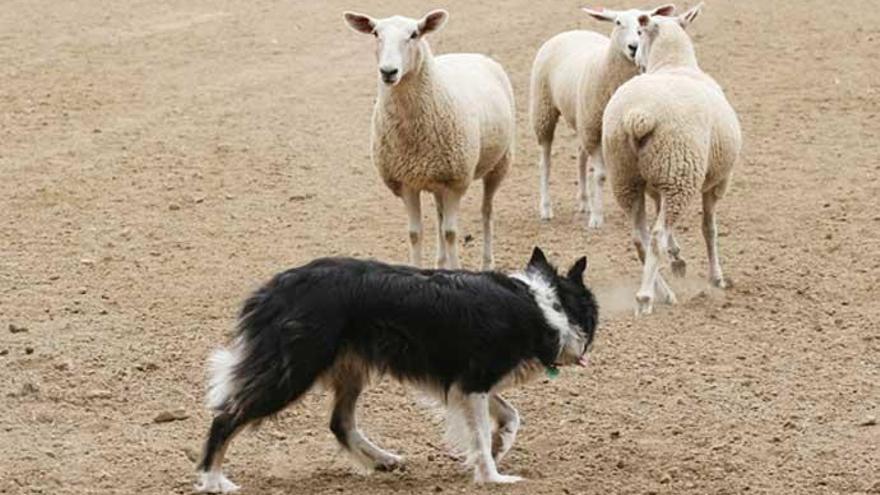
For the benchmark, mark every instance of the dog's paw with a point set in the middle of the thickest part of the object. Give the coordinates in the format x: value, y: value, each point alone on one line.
x: 498, y: 478
x: 215, y: 482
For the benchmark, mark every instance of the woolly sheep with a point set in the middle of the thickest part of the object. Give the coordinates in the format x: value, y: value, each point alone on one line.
x: 573, y: 76
x: 671, y: 133
x: 439, y: 123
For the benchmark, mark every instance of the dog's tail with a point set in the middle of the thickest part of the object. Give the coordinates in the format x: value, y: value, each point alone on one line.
x: 274, y: 358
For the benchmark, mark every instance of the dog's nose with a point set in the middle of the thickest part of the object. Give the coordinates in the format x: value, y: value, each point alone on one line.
x: 632, y: 48
x: 388, y: 75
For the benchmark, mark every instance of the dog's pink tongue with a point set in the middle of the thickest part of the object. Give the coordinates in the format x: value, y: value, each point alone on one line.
x: 582, y: 361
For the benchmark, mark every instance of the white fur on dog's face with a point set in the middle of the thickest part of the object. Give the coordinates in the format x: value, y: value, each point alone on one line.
x: 573, y: 343
x: 625, y: 35
x: 398, y: 41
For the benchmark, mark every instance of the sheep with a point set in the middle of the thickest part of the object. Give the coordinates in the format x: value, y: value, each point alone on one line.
x: 573, y: 76
x: 439, y: 123
x: 671, y: 133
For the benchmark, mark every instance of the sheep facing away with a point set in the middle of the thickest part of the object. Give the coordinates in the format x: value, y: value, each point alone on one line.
x: 670, y: 133
x: 439, y: 123
x: 573, y: 76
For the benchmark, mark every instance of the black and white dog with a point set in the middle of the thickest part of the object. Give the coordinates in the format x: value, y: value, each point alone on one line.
x: 461, y: 336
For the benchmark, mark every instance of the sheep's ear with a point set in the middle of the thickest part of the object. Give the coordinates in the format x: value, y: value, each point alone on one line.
x: 644, y: 20
x: 685, y: 20
x: 360, y: 23
x: 576, y: 272
x: 601, y: 14
x: 667, y: 10
x: 433, y: 21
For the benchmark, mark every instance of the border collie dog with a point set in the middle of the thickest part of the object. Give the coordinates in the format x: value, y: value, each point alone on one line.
x: 460, y: 336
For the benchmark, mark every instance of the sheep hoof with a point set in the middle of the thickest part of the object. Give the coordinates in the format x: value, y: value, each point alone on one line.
x: 595, y: 221
x: 644, y: 305
x: 679, y: 268
x: 669, y: 298
x: 546, y: 213
x: 721, y: 283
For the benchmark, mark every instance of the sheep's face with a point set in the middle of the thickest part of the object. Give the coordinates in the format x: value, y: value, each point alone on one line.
x: 398, y: 41
x: 625, y: 35
x: 650, y: 28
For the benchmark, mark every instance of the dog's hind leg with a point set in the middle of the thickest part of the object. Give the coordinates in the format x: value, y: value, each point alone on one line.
x: 507, y: 419
x: 250, y: 381
x: 211, y: 478
x: 348, y: 379
x: 475, y: 410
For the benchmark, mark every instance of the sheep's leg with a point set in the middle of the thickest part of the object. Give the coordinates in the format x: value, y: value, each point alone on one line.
x: 544, y: 166
x: 640, y: 226
x: 710, y: 234
x: 451, y: 204
x: 490, y: 187
x: 679, y: 266
x: 441, y: 245
x: 413, y: 202
x: 582, y: 197
x: 597, y: 180
x: 641, y: 239
x: 651, y: 269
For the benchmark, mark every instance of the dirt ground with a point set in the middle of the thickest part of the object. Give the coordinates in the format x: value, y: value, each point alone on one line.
x: 159, y: 160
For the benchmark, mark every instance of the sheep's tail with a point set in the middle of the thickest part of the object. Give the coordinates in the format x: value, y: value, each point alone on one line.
x: 639, y: 127
x: 273, y: 359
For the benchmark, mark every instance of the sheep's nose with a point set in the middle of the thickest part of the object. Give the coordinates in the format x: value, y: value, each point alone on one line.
x: 632, y: 48
x: 388, y: 75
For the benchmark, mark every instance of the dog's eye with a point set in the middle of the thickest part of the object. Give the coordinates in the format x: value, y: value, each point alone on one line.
x: 557, y: 307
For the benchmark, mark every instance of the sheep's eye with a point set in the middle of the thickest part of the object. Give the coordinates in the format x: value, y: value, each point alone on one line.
x: 618, y: 23
x: 414, y: 35
x: 639, y: 32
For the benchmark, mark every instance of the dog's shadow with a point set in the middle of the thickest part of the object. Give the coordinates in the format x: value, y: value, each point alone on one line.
x: 336, y: 479
x: 417, y: 477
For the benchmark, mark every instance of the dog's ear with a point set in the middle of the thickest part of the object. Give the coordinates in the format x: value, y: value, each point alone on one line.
x: 538, y: 260
x: 576, y: 272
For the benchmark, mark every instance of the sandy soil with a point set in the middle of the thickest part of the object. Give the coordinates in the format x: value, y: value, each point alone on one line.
x: 158, y: 160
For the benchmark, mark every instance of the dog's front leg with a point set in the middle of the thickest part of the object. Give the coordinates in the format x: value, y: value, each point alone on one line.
x: 476, y: 410
x: 507, y: 419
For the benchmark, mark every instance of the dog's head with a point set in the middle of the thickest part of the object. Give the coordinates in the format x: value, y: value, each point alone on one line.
x: 567, y: 304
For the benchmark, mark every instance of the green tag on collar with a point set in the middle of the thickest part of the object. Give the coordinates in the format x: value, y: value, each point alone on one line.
x: 552, y: 372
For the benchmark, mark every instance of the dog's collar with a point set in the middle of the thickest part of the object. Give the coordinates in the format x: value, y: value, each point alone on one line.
x: 552, y: 371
